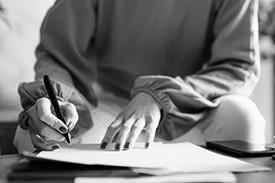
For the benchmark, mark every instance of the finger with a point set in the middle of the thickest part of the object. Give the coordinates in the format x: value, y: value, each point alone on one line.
x: 135, y: 132
x: 45, y: 115
x: 125, y: 128
x: 150, y: 134
x: 70, y: 114
x: 111, y: 132
x: 39, y: 143
x: 44, y: 131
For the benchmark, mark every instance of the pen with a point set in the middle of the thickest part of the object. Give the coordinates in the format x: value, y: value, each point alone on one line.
x: 52, y: 97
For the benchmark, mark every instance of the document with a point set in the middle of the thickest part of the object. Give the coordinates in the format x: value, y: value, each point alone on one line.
x: 165, y: 158
x: 175, y: 178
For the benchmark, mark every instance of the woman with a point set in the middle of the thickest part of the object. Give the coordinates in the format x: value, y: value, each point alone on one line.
x: 175, y: 70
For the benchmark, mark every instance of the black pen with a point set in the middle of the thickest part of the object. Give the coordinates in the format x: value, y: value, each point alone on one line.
x: 52, y: 97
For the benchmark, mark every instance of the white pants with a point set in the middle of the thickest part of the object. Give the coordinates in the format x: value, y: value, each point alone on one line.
x: 236, y: 118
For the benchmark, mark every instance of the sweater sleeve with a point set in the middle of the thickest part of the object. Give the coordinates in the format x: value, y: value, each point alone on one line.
x: 63, y: 55
x: 233, y: 68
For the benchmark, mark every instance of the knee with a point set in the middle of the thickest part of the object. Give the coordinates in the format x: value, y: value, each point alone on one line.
x: 241, y: 119
x: 22, y: 141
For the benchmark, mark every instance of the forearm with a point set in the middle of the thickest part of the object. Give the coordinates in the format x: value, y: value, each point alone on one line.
x: 232, y: 68
x: 60, y: 55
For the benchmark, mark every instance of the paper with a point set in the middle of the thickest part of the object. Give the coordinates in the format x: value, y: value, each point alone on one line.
x: 177, y: 157
x: 175, y: 178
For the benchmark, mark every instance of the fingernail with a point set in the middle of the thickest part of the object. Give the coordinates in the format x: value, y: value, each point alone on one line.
x: 147, y: 145
x: 117, y: 147
x: 55, y: 147
x: 63, y: 129
x: 103, y: 145
x: 127, y: 145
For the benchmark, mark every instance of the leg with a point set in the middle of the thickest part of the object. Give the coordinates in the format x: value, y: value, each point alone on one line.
x: 236, y: 118
x: 22, y: 140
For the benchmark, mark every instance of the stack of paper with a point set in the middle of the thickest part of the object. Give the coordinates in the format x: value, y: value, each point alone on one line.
x: 160, y: 159
x: 174, y: 178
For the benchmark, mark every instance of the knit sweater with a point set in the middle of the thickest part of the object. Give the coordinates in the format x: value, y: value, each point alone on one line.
x: 184, y: 53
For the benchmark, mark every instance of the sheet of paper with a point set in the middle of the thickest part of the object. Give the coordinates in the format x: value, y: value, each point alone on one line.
x: 178, y: 157
x: 175, y: 178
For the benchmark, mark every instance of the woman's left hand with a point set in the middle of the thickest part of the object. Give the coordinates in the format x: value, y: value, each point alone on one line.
x: 142, y: 113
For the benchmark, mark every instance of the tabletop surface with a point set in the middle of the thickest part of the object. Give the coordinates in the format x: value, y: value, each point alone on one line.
x: 254, y: 177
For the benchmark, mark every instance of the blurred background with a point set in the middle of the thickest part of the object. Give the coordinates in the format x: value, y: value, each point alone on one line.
x: 263, y: 94
x: 20, y: 21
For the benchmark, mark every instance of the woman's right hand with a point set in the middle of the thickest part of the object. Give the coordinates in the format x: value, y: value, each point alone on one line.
x: 45, y: 128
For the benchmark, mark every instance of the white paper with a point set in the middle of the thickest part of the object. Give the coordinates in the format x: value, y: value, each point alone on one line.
x: 178, y: 157
x: 175, y: 178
